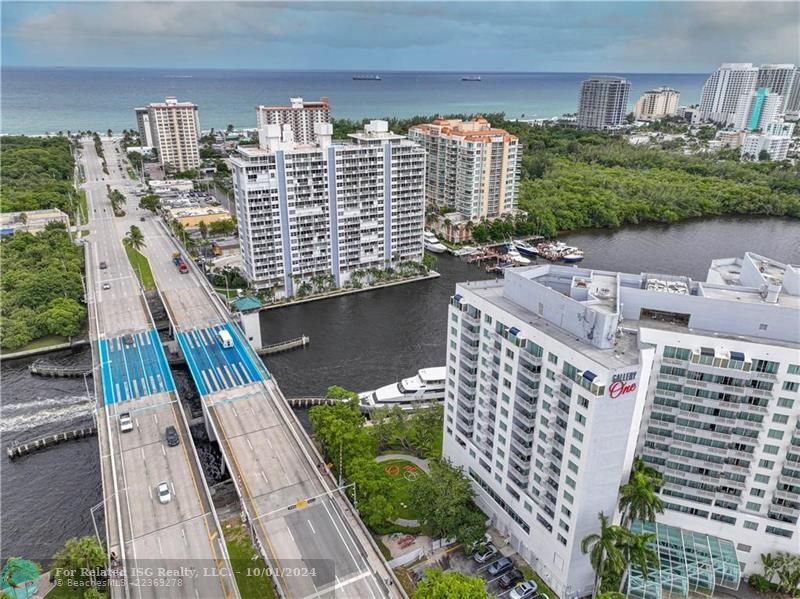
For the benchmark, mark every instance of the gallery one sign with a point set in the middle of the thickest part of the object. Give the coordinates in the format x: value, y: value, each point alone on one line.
x: 622, y: 384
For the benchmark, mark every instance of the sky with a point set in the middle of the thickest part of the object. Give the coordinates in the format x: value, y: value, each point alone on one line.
x: 556, y: 36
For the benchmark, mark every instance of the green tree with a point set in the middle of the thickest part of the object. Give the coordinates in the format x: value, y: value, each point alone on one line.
x: 203, y: 229
x: 371, y: 490
x: 337, y: 392
x: 770, y: 566
x: 604, y: 555
x: 637, y: 550
x: 436, y: 584
x: 764, y: 155
x: 444, y: 503
x: 150, y: 202
x: 79, y: 555
x: 638, y: 499
x: 63, y: 316
x: 134, y: 238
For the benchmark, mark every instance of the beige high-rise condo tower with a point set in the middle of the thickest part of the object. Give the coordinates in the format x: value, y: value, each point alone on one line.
x: 173, y: 128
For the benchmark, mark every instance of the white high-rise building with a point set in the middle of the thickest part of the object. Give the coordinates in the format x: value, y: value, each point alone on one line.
x: 558, y: 377
x: 173, y: 128
x: 780, y: 79
x: 472, y: 167
x: 756, y: 109
x: 722, y: 91
x: 331, y: 208
x: 603, y: 102
x: 300, y: 115
x: 656, y: 104
x: 775, y: 140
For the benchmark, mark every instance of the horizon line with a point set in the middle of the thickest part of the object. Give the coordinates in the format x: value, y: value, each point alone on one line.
x: 349, y: 70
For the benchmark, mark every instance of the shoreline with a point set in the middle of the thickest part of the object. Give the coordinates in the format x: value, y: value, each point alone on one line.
x: 338, y: 293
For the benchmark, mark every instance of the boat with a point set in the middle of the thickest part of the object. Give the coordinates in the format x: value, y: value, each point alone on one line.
x: 471, y: 78
x: 419, y: 391
x: 526, y: 249
x: 431, y: 237
x: 467, y: 250
x: 516, y: 258
x: 572, y: 255
x: 435, y: 247
x: 366, y: 77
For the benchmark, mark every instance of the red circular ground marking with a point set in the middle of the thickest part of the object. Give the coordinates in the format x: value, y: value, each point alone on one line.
x: 410, y: 468
x: 392, y: 470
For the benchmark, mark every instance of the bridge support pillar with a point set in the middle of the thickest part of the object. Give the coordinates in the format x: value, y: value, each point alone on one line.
x: 251, y: 323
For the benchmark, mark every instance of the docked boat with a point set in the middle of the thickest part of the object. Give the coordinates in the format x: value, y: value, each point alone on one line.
x: 366, y: 77
x: 465, y: 251
x: 432, y: 243
x: 516, y: 258
x: 420, y: 391
x: 526, y: 249
x: 572, y: 255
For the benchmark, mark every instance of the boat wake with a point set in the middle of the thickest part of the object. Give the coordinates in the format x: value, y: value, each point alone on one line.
x: 25, y: 416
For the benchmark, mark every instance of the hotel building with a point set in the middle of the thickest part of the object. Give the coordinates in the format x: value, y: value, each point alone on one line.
x: 330, y: 208
x: 173, y: 128
x: 757, y: 109
x: 603, y: 102
x: 558, y: 377
x: 722, y: 90
x: 299, y: 115
x: 472, y: 167
x: 656, y: 104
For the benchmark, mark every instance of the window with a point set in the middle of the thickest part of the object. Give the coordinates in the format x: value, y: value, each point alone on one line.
x: 762, y: 327
x: 566, y: 511
x: 570, y: 482
x: 577, y: 434
x: 572, y: 466
x: 568, y: 498
x: 793, y: 369
x: 765, y: 366
x: 773, y: 434
x: 575, y: 451
x: 580, y: 418
x: 779, y: 531
x: 743, y: 547
x: 750, y: 525
x: 583, y: 402
x: 780, y: 418
x: 509, y: 353
x: 504, y: 412
x: 790, y: 386
x: 753, y: 507
x: 756, y: 492
x: 762, y: 478
x: 785, y: 402
x: 676, y: 353
x: 771, y: 449
x: 527, y: 506
x: 768, y: 464
x: 551, y: 357
x: 502, y: 425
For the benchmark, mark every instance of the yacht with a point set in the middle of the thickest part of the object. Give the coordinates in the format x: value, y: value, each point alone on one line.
x: 418, y: 391
x: 366, y: 77
x: 467, y: 250
x: 432, y: 243
x: 516, y: 258
x: 526, y: 249
x: 572, y: 255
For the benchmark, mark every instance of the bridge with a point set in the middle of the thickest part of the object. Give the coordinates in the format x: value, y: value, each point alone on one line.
x: 134, y: 379
x: 302, y: 526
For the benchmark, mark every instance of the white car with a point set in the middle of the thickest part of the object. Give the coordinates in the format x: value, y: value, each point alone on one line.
x: 524, y: 590
x: 485, y: 553
x: 125, y: 422
x: 164, y: 495
x: 106, y: 285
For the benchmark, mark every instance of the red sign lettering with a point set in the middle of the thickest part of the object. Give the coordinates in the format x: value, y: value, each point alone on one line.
x: 618, y: 388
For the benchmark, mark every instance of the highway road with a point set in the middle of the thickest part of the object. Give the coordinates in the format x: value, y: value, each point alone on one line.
x: 303, y: 526
x: 169, y: 549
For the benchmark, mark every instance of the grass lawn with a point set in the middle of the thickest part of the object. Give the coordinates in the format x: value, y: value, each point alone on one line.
x: 401, y: 484
x: 528, y: 573
x: 64, y: 592
x: 141, y: 266
x: 241, y: 552
x: 46, y: 341
x: 132, y: 174
x: 82, y: 207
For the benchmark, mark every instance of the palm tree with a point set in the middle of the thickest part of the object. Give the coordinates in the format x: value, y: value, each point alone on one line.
x: 770, y: 565
x: 638, y: 499
x: 604, y: 554
x: 134, y: 238
x: 637, y: 550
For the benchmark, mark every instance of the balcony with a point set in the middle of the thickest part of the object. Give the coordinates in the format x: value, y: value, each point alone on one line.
x: 788, y: 495
x: 517, y: 479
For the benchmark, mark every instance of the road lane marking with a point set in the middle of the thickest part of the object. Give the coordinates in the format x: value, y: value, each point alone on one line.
x: 289, y: 530
x: 312, y: 526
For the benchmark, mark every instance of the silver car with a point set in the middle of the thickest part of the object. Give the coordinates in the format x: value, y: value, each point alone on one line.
x: 164, y: 495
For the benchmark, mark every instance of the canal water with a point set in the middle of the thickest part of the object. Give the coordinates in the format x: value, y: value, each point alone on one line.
x: 360, y: 341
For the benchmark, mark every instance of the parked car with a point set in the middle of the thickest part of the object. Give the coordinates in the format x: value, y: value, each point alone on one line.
x: 504, y: 564
x: 526, y: 590
x: 125, y: 422
x: 172, y: 436
x: 106, y: 285
x: 484, y: 554
x: 510, y: 579
x: 128, y: 339
x: 164, y: 495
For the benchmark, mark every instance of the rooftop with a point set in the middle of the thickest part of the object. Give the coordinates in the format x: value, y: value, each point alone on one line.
x: 478, y: 129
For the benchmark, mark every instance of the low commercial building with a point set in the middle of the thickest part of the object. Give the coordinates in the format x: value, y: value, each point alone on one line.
x: 472, y: 167
x: 328, y: 209
x: 730, y: 139
x: 559, y: 377
x: 166, y: 186
x: 192, y: 217
x: 30, y: 221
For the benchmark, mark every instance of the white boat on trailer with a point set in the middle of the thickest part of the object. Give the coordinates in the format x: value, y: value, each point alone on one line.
x: 423, y: 390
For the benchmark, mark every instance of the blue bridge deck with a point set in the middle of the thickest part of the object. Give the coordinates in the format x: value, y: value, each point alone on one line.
x: 213, y: 366
x: 134, y: 370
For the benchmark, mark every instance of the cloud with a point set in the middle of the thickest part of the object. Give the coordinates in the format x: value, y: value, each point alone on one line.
x: 586, y: 36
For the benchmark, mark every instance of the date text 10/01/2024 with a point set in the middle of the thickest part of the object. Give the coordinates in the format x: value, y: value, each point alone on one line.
x: 187, y: 572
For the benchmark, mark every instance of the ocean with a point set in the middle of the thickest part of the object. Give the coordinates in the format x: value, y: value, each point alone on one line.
x: 42, y: 100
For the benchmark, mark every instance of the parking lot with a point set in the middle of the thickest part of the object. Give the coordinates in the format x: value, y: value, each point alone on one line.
x: 134, y: 366
x: 213, y: 366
